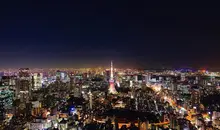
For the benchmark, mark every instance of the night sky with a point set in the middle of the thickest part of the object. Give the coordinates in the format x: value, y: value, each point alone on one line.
x: 91, y: 33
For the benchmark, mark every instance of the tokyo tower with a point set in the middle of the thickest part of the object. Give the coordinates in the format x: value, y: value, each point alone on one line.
x: 112, y: 89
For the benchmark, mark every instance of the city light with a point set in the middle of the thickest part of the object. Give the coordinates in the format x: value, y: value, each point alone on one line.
x: 88, y: 97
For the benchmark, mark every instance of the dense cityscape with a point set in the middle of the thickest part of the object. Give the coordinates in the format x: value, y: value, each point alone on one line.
x: 109, y: 99
x: 109, y: 65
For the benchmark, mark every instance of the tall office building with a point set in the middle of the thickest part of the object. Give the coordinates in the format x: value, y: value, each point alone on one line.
x: 23, y: 92
x: 183, y: 77
x: 147, y: 78
x: 23, y: 85
x: 112, y: 89
x: 195, y: 97
x: 37, y: 77
x: 2, y: 110
x: 196, y: 80
x: 71, y: 83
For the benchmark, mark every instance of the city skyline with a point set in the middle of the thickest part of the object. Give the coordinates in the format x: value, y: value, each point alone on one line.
x: 109, y: 65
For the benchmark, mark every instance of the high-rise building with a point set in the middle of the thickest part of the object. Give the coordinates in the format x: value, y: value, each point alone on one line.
x: 173, y: 85
x: 2, y: 110
x: 71, y: 83
x: 112, y: 89
x: 23, y: 85
x: 6, y: 96
x: 5, y: 80
x: 140, y: 78
x: 183, y: 77
x: 135, y: 78
x: 38, y: 77
x: 196, y: 80
x: 195, y: 97
x: 12, y: 80
x: 58, y: 75
x: 147, y: 78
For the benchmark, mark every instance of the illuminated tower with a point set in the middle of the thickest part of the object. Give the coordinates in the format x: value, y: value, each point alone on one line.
x: 112, y: 89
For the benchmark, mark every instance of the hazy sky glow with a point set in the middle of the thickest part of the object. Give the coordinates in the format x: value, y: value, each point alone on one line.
x: 89, y: 33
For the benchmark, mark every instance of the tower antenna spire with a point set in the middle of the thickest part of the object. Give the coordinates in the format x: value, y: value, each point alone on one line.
x: 112, y: 73
x: 112, y: 89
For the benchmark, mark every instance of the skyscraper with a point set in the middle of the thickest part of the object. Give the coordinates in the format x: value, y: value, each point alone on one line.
x: 37, y: 77
x: 23, y: 86
x: 71, y: 84
x: 195, y: 97
x: 2, y: 110
x: 112, y: 89
x: 24, y: 92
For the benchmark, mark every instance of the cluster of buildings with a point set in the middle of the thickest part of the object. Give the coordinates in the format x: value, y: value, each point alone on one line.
x: 70, y: 98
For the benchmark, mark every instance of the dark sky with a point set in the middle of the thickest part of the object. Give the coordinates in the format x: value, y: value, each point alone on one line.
x: 88, y: 33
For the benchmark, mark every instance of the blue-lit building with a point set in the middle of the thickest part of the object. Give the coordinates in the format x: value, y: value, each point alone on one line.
x: 6, y: 96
